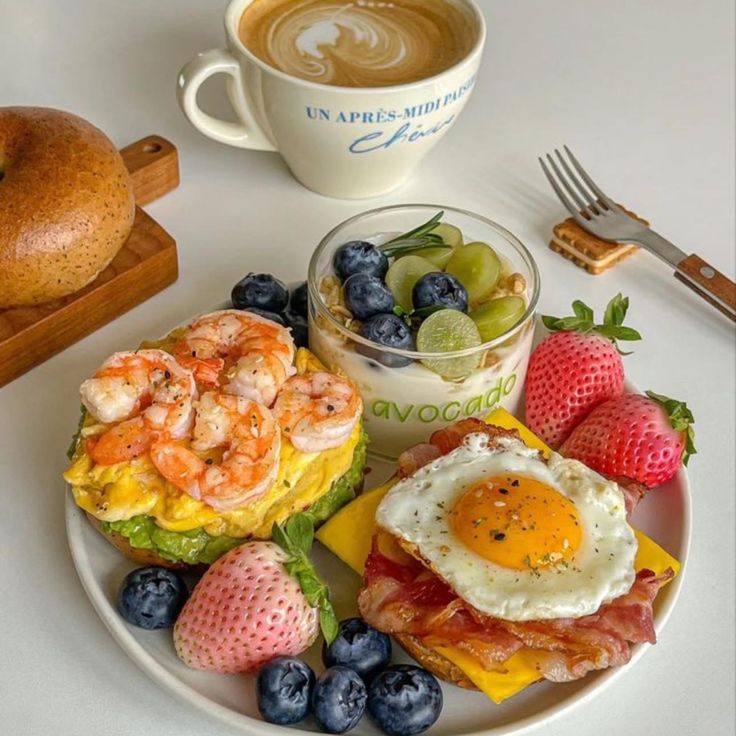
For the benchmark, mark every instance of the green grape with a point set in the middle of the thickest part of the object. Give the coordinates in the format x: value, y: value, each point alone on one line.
x: 402, y: 276
x: 498, y: 316
x: 451, y: 236
x: 446, y: 331
x: 478, y: 268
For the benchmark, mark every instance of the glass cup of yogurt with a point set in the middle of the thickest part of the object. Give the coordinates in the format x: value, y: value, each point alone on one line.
x: 430, y: 311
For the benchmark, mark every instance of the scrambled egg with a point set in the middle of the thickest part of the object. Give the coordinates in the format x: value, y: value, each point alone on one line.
x: 122, y: 491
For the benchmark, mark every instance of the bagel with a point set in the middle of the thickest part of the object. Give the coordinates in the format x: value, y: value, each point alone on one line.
x: 66, y: 204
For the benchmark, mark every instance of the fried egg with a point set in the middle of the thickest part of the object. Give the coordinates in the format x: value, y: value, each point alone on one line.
x: 515, y: 537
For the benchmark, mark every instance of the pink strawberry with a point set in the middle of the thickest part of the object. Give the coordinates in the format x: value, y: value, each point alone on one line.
x: 246, y: 610
x: 575, y: 369
x: 640, y: 437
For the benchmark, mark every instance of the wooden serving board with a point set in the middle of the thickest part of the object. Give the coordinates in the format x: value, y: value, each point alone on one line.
x: 145, y: 265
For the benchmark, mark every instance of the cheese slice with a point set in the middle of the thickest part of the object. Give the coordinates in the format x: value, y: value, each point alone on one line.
x: 348, y: 534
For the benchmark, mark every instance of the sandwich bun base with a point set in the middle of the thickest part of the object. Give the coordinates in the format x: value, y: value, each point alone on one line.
x: 433, y: 661
x: 136, y: 554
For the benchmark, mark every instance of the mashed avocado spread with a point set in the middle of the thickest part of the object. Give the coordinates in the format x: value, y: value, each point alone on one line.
x: 197, y: 546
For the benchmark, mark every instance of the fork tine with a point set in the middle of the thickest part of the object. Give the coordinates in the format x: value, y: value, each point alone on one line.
x: 590, y: 200
x: 598, y: 191
x: 561, y: 195
x: 570, y: 190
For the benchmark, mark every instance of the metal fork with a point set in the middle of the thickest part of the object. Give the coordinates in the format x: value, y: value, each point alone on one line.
x: 597, y: 213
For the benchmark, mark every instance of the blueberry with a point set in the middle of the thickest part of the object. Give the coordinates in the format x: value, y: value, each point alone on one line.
x: 359, y: 647
x: 338, y: 700
x: 299, y: 303
x: 404, y: 700
x: 277, y: 318
x: 358, y: 256
x: 366, y: 295
x: 438, y: 289
x: 391, y: 331
x: 284, y: 690
x: 260, y: 290
x: 152, y: 597
x: 299, y: 330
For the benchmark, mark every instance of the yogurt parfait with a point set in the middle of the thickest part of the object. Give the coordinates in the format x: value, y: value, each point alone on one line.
x: 430, y: 311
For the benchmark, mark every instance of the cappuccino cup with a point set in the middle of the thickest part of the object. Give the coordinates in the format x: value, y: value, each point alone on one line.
x: 353, y: 95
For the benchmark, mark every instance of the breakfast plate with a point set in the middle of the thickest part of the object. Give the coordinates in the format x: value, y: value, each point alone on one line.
x: 664, y: 515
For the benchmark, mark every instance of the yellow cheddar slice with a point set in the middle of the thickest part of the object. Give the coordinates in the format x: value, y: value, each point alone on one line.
x: 349, y: 532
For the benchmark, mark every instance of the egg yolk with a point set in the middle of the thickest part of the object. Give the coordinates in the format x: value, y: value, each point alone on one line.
x: 518, y: 523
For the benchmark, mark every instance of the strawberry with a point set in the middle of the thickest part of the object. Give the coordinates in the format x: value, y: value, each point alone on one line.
x: 259, y: 601
x: 575, y: 369
x: 644, y: 437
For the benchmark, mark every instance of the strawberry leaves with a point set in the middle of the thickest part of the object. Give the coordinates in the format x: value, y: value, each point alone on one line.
x: 296, y: 538
x: 681, y: 419
x: 583, y: 321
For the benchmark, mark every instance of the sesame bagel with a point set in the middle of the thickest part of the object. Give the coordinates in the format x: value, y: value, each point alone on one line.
x: 66, y: 204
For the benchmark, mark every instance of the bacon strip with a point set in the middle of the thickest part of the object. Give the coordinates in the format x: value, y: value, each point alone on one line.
x: 446, y: 440
x: 404, y: 597
x: 416, y: 457
x: 633, y: 491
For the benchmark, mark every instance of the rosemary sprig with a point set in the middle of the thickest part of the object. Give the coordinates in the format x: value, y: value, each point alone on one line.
x: 417, y: 246
x: 416, y: 239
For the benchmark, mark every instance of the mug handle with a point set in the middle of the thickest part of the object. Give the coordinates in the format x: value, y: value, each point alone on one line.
x: 245, y: 134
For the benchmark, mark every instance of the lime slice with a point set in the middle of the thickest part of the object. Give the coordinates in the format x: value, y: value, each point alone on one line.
x: 444, y: 332
x: 478, y: 268
x: 402, y: 276
x: 498, y: 316
x: 452, y: 236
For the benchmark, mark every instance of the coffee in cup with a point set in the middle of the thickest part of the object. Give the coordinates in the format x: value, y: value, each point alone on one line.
x: 352, y: 94
x: 365, y: 43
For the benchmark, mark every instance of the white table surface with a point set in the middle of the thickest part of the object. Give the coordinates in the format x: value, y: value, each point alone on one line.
x: 643, y: 91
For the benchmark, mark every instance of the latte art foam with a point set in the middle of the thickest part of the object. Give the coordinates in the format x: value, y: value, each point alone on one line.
x: 363, y: 43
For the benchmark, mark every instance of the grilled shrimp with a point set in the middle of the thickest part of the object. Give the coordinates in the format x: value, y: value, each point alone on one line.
x: 145, y: 394
x: 251, y: 440
x: 255, y: 353
x: 317, y: 411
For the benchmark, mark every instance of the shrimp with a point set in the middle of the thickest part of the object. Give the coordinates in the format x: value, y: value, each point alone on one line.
x: 255, y: 353
x: 146, y: 394
x: 251, y: 439
x: 317, y: 411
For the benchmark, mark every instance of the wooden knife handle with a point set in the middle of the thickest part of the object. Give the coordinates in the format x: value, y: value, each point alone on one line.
x: 153, y: 163
x: 709, y: 283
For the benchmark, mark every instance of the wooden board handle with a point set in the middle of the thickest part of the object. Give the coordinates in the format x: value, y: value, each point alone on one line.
x: 709, y: 283
x: 153, y: 163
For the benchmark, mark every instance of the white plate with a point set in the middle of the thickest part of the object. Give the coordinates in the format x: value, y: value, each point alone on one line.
x: 664, y: 514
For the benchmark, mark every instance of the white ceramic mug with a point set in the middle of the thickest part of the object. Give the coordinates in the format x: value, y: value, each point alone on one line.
x: 349, y: 142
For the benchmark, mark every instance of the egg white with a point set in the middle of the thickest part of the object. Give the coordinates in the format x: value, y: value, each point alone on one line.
x: 417, y: 510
